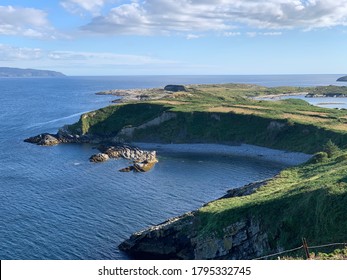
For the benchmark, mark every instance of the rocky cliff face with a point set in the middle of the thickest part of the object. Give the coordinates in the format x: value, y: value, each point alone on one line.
x: 182, y: 238
x: 47, y: 139
x: 127, y: 133
x: 179, y: 238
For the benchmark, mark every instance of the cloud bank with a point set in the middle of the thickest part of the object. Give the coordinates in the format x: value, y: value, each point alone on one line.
x: 167, y: 17
x: 36, y: 57
x: 26, y: 22
x: 79, y: 6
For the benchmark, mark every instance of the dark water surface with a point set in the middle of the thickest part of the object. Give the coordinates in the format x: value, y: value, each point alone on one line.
x: 54, y: 204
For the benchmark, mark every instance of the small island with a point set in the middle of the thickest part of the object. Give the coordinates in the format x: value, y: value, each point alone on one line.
x: 342, y: 79
x: 8, y: 72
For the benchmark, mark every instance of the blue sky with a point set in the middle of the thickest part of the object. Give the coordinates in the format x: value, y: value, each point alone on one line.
x: 113, y: 37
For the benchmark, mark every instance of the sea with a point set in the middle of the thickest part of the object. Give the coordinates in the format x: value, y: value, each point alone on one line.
x: 55, y: 204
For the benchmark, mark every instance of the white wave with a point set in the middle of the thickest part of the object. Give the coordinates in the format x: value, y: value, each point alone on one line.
x: 56, y: 120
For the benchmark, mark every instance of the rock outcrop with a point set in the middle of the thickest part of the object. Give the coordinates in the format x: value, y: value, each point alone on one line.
x: 183, y: 238
x: 143, y: 161
x: 100, y: 157
x: 45, y: 139
x: 175, y: 88
x: 180, y: 238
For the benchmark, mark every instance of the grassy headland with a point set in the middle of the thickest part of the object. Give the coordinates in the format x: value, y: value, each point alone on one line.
x: 308, y: 201
x: 222, y: 114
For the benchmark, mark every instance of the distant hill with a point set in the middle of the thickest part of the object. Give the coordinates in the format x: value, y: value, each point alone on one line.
x: 342, y: 79
x: 17, y: 72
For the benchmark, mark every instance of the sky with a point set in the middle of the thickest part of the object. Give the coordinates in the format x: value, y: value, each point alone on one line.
x: 175, y: 37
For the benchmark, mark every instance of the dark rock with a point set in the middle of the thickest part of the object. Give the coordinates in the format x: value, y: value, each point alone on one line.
x: 175, y: 88
x: 144, y: 166
x: 100, y: 157
x: 45, y: 139
x: 113, y: 152
x: 180, y: 238
x: 143, y: 160
x: 245, y: 190
x: 127, y: 169
x: 165, y: 241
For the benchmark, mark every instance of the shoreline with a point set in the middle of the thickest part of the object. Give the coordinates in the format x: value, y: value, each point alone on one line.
x: 274, y: 96
x: 243, y: 150
x: 178, y: 237
x: 169, y: 239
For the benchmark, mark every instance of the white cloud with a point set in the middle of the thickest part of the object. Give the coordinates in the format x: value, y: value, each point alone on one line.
x: 10, y: 53
x: 254, y: 34
x: 231, y: 34
x: 79, y: 6
x: 251, y: 34
x: 185, y: 16
x: 153, y: 17
x: 193, y: 36
x: 60, y: 60
x: 27, y: 22
x: 271, y: 33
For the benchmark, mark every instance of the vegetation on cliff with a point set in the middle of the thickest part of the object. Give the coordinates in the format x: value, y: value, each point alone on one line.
x: 221, y: 114
x: 308, y: 201
x: 304, y: 201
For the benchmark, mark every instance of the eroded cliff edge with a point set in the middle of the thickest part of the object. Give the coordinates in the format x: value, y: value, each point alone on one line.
x: 182, y: 238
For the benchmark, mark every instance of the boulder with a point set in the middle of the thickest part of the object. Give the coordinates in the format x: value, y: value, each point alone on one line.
x: 127, y: 169
x: 113, y: 152
x: 50, y: 140
x: 44, y: 140
x: 143, y: 166
x: 100, y: 157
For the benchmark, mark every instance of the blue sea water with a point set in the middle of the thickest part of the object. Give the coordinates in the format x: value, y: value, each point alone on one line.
x: 54, y: 204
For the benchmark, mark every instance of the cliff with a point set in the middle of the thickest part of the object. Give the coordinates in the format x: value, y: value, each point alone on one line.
x: 180, y: 237
x: 305, y: 201
x: 17, y: 72
x: 146, y: 122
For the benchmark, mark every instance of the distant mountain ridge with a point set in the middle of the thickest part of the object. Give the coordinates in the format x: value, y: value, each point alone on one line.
x: 17, y: 72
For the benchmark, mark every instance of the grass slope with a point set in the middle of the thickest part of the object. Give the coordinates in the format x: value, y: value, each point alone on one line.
x: 223, y: 114
x: 305, y: 201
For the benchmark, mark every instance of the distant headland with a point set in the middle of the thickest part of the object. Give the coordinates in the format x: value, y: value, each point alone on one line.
x: 17, y: 72
x: 342, y: 79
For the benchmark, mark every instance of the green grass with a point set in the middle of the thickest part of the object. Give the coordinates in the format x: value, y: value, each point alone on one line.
x: 110, y: 120
x: 222, y: 114
x: 305, y: 201
x: 330, y: 90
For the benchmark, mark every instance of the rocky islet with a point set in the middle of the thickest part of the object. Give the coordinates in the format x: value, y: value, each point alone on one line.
x: 143, y: 161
